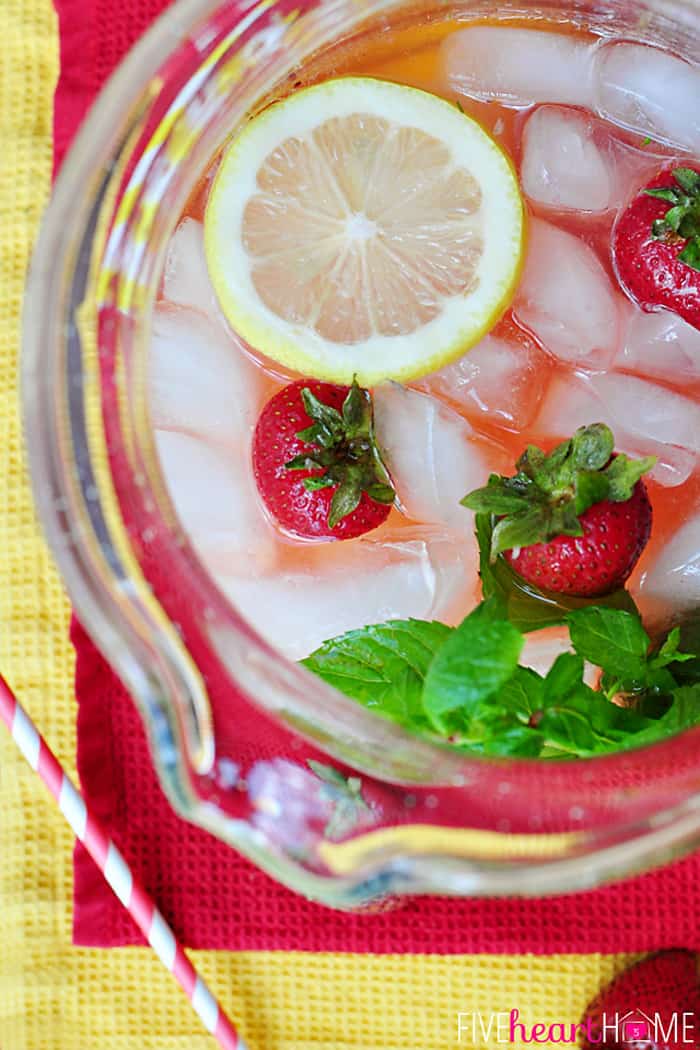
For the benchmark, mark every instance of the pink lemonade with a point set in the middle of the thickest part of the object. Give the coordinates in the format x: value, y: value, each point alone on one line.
x: 572, y: 347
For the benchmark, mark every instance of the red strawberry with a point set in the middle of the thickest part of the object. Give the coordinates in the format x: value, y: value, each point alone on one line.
x: 575, y: 521
x: 660, y: 994
x: 316, y: 463
x: 656, y: 244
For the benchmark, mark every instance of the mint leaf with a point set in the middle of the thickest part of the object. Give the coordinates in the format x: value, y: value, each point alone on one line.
x: 668, y: 653
x: 349, y: 807
x: 383, y: 666
x: 569, y: 728
x: 523, y: 694
x: 610, y: 638
x: 684, y: 713
x: 563, y: 677
x: 513, y: 742
x: 477, y: 659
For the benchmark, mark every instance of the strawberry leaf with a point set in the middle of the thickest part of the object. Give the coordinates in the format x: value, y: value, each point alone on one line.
x: 682, y: 220
x: 623, y: 474
x: 345, y: 498
x: 590, y: 488
x: 549, y: 492
x: 670, y: 195
x: 592, y: 447
x: 521, y: 530
x: 346, y: 453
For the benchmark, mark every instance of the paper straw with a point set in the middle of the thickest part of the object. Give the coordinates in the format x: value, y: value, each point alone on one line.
x: 115, y: 869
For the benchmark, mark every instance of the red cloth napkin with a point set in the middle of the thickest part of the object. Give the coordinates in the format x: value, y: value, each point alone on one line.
x: 212, y: 897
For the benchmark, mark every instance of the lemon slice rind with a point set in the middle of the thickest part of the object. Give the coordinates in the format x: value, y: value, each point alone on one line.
x: 464, y: 319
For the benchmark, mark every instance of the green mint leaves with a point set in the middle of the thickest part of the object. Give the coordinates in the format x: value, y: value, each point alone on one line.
x: 383, y: 666
x: 682, y: 220
x: 345, y: 450
x: 549, y: 492
x: 464, y: 686
x: 345, y: 793
x: 474, y: 662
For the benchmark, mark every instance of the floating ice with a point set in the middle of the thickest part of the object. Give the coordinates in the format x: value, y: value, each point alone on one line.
x: 216, y: 501
x: 199, y: 382
x: 433, y: 455
x: 652, y: 411
x: 519, y: 66
x: 500, y: 379
x: 566, y: 299
x: 370, y: 581
x: 646, y: 419
x: 636, y: 86
x: 674, y: 578
x: 185, y: 277
x: 660, y: 345
x: 566, y: 161
x: 649, y: 91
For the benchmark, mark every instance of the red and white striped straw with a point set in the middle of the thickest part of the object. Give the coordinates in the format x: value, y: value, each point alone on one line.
x: 115, y: 869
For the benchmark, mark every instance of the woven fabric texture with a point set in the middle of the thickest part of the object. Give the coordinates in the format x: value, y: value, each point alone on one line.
x: 54, y: 996
x: 217, y: 900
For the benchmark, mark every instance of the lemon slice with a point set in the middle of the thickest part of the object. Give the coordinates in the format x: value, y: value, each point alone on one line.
x: 360, y: 227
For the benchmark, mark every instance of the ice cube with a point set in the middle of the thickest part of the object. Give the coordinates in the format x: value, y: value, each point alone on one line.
x: 566, y: 161
x: 636, y: 411
x: 652, y: 411
x: 420, y: 573
x: 432, y: 453
x: 185, y: 276
x: 502, y: 379
x: 566, y: 299
x: 673, y: 581
x: 199, y: 382
x: 216, y: 501
x: 660, y: 345
x: 519, y: 67
x: 649, y: 91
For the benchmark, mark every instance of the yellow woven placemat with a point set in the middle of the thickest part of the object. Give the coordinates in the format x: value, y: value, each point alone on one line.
x: 54, y: 996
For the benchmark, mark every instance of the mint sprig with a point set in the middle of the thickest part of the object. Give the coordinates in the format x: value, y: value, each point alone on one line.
x: 681, y: 223
x: 346, y: 451
x: 550, y: 491
x: 463, y: 686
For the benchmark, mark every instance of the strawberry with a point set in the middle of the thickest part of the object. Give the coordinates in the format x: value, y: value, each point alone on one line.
x: 573, y: 522
x: 656, y: 245
x: 316, y: 463
x: 661, y: 994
